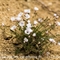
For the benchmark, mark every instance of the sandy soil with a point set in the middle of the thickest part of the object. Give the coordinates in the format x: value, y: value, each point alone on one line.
x: 9, y: 8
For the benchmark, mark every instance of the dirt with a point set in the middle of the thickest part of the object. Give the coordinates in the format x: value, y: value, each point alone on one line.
x: 9, y: 8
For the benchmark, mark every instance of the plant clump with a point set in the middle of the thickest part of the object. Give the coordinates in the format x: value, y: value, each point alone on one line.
x: 31, y: 37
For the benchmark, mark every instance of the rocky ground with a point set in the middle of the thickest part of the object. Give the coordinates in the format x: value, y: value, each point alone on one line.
x: 9, y: 8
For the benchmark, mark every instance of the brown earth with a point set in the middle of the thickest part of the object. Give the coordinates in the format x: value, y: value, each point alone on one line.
x: 9, y: 8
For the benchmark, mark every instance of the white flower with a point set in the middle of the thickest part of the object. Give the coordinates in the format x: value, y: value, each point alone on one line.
x: 20, y: 14
x: 13, y: 28
x: 28, y: 21
x: 48, y: 53
x: 55, y: 15
x: 46, y: 31
x: 3, y: 24
x: 29, y: 25
x: 58, y: 43
x: 27, y: 10
x: 35, y: 22
x: 35, y: 8
x: 40, y: 20
x: 27, y: 16
x: 12, y: 19
x: 58, y: 23
x: 52, y: 40
x: 34, y: 34
x: 28, y: 31
x: 21, y: 23
x: 18, y: 18
x: 25, y: 40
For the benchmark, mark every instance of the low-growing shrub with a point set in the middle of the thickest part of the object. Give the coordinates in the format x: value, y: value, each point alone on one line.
x: 31, y: 37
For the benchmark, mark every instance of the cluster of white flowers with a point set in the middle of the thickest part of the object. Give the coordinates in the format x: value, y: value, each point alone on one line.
x: 27, y: 24
x: 18, y: 18
x: 22, y: 23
